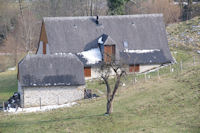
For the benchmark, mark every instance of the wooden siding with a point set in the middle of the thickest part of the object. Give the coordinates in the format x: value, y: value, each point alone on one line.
x: 44, y: 48
x: 43, y: 38
x: 109, y: 53
x: 87, y: 71
x: 134, y: 68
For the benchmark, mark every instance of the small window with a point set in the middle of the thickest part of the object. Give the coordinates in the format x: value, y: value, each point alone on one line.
x: 125, y: 45
x: 134, y: 68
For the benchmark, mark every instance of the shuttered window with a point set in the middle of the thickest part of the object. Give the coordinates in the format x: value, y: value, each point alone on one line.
x: 109, y: 53
x: 87, y: 71
x: 134, y: 68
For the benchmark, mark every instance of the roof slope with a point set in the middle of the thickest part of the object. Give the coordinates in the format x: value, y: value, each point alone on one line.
x: 154, y: 57
x: 77, y: 34
x: 51, y: 70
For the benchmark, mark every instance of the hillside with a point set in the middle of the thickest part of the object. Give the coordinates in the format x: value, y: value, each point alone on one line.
x: 170, y: 104
x: 185, y: 33
x: 166, y: 103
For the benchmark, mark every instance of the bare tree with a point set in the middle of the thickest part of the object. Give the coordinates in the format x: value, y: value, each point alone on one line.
x: 117, y: 70
x: 189, y: 9
x: 28, y: 27
x: 170, y: 11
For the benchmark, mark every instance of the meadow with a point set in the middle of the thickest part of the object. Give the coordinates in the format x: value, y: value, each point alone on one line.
x: 168, y: 103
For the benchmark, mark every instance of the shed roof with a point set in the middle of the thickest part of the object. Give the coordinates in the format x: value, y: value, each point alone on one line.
x: 77, y: 34
x: 51, y: 70
x: 153, y: 57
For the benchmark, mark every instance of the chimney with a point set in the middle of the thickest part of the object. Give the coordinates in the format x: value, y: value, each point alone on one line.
x: 97, y: 20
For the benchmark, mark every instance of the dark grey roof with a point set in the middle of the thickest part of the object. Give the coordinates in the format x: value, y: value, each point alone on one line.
x: 51, y: 70
x: 155, y: 57
x: 76, y: 34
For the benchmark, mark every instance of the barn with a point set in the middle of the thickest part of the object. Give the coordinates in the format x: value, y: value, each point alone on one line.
x: 50, y: 79
x: 140, y: 41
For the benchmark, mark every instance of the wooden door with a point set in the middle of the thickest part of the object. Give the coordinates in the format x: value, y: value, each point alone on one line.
x: 87, y: 71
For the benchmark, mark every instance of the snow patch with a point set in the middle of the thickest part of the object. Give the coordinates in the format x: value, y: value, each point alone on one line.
x: 141, y: 51
x: 100, y: 40
x: 37, y: 109
x: 12, y: 69
x: 34, y: 85
x: 92, y: 56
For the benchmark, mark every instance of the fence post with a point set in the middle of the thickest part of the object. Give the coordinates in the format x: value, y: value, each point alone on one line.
x: 3, y: 106
x: 135, y: 80
x: 193, y: 60
x: 158, y: 74
x: 181, y: 65
x: 58, y: 100
x: 40, y: 103
x: 145, y: 77
x: 170, y: 67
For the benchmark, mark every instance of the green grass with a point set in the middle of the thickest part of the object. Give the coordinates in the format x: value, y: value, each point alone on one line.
x: 8, y: 85
x: 6, y: 61
x: 170, y: 104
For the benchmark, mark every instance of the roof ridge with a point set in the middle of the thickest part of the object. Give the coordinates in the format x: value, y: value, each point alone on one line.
x: 104, y: 17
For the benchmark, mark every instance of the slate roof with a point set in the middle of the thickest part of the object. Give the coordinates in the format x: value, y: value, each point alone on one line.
x: 51, y: 70
x: 155, y: 57
x: 77, y: 34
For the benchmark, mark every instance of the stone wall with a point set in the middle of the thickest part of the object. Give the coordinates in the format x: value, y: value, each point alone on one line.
x: 30, y: 96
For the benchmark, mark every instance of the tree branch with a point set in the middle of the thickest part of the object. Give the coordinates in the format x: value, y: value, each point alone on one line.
x: 117, y: 85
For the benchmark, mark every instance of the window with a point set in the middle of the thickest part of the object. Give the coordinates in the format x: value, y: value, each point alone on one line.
x: 87, y: 71
x: 134, y: 68
x: 125, y: 45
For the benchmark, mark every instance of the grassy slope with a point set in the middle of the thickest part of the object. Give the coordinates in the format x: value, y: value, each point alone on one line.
x: 8, y: 85
x: 171, y: 104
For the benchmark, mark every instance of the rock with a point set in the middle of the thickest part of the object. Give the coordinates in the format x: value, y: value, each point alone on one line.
x: 88, y: 94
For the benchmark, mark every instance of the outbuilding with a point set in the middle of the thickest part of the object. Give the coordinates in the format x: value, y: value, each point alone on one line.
x: 50, y: 79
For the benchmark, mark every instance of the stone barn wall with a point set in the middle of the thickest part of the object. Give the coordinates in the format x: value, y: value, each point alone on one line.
x: 30, y: 96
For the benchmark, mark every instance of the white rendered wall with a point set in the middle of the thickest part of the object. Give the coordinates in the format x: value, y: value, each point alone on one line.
x: 95, y: 73
x: 51, y: 95
x: 144, y: 68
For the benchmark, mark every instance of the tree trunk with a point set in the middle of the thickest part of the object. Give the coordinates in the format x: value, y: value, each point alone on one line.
x: 109, y: 107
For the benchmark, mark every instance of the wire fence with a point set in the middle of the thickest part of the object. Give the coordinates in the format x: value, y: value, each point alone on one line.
x: 174, y: 69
